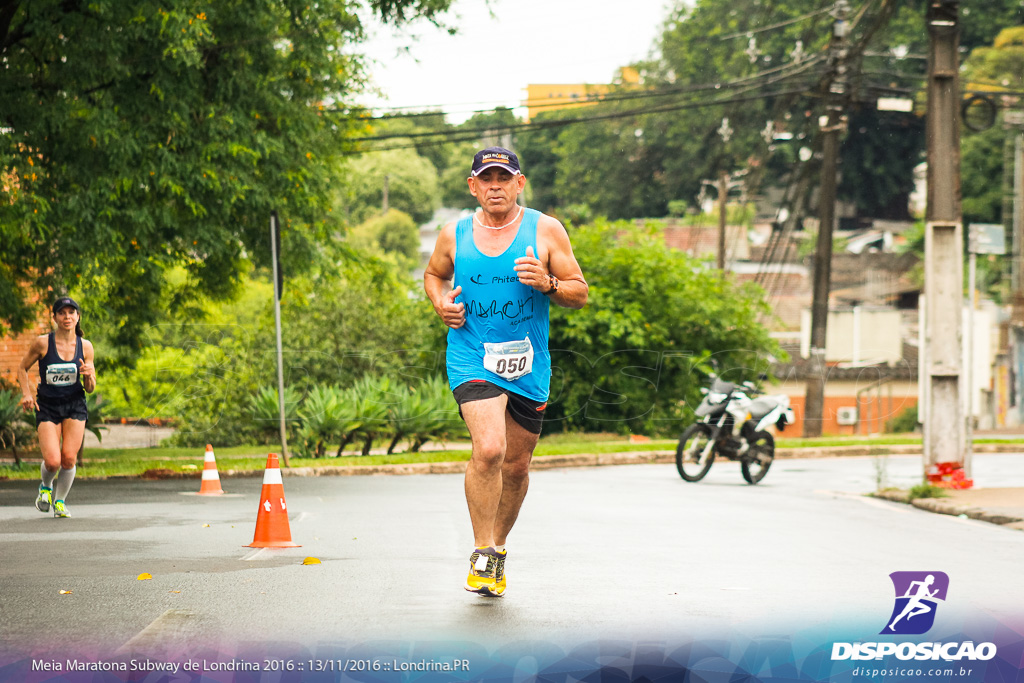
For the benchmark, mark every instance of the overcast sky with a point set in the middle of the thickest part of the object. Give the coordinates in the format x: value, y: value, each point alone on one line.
x: 503, y: 45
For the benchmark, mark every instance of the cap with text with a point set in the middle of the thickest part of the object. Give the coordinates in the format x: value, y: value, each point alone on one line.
x: 495, y: 157
x: 66, y: 302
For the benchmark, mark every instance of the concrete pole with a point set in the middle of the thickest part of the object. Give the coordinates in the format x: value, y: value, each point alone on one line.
x: 972, y: 277
x: 1018, y: 224
x: 814, y: 398
x: 944, y: 430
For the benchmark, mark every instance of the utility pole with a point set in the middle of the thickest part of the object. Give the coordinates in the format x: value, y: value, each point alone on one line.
x: 275, y: 255
x: 1017, y: 240
x: 944, y: 425
x: 723, y: 194
x: 834, y: 123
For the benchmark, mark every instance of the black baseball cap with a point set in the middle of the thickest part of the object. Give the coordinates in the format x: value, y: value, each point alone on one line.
x: 495, y: 156
x: 64, y: 302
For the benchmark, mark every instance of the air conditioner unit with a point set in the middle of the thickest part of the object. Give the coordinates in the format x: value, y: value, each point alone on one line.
x: 846, y: 415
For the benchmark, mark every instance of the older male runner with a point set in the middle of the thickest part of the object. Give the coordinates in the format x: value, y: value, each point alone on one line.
x: 505, y: 264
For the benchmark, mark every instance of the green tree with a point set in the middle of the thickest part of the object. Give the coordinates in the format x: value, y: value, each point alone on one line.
x: 629, y: 360
x: 610, y: 168
x: 984, y: 153
x: 878, y: 156
x: 392, y: 233
x: 740, y: 66
x: 362, y: 317
x: 135, y: 136
x: 454, y: 187
x: 411, y: 181
x: 412, y: 124
x: 538, y: 154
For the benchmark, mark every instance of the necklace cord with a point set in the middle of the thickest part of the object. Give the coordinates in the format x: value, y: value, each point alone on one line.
x: 499, y: 227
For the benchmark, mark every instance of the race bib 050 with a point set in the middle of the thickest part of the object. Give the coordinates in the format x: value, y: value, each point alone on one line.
x: 510, y: 360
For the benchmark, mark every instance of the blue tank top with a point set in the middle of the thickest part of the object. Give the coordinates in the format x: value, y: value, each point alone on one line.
x: 58, y: 378
x: 498, y: 309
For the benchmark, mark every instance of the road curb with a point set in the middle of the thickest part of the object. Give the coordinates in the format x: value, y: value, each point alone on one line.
x: 665, y: 456
x: 945, y: 507
x: 539, y: 463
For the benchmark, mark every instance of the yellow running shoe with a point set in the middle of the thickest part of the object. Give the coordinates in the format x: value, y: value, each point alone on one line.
x: 45, y: 499
x: 486, y: 573
x: 60, y: 509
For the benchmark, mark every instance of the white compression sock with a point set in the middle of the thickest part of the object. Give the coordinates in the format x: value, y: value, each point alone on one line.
x: 64, y: 480
x: 47, y: 476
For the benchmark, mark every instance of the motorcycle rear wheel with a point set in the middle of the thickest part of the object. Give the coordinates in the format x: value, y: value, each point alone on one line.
x: 759, y: 458
x: 690, y: 461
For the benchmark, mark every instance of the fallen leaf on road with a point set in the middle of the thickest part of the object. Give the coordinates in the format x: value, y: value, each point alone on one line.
x: 173, y: 591
x: 311, y: 560
x: 144, y: 576
x: 65, y: 592
x: 206, y: 525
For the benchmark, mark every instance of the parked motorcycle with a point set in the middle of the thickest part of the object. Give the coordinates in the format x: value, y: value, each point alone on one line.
x: 724, y: 406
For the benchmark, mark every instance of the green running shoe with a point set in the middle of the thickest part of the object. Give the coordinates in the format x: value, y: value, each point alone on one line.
x: 60, y: 509
x: 45, y: 499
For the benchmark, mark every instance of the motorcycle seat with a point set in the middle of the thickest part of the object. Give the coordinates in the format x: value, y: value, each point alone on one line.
x: 762, y: 406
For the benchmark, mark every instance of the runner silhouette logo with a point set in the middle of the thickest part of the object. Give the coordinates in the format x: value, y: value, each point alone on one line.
x: 917, y: 598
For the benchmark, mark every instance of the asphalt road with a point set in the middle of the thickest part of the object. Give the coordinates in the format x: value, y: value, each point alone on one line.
x: 606, y: 552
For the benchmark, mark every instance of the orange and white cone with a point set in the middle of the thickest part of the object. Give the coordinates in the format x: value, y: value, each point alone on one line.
x: 211, y: 479
x: 272, y: 530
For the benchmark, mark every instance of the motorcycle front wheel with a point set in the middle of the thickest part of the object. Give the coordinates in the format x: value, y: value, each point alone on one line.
x: 759, y: 458
x: 693, y: 457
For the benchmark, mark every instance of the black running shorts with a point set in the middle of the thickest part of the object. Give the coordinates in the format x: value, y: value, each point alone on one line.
x: 527, y: 413
x: 57, y: 410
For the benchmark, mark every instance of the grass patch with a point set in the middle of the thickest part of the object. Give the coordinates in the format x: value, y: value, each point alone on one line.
x: 112, y: 462
x: 827, y: 441
x: 927, y: 491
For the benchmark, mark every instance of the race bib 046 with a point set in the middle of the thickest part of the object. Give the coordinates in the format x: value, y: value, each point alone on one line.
x: 61, y: 374
x: 510, y: 360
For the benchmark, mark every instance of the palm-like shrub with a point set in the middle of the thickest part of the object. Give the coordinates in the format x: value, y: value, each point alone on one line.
x: 368, y: 400
x: 427, y: 411
x: 266, y: 412
x: 323, y: 415
x: 12, y: 421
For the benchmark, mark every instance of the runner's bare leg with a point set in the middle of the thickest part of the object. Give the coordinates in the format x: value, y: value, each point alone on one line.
x: 486, y: 422
x: 515, y: 476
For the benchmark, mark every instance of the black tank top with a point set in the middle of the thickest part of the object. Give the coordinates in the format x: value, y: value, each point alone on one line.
x: 58, y: 378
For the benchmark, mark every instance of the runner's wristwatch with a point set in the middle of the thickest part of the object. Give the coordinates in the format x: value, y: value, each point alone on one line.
x: 553, y: 282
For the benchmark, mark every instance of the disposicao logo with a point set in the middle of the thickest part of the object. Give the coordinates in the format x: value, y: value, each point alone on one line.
x: 918, y: 595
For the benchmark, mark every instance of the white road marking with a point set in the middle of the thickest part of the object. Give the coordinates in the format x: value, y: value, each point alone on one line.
x: 171, y: 628
x: 869, y: 500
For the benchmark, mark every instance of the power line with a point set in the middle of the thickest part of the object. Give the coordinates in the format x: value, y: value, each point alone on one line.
x: 794, y: 20
x: 449, y: 137
x: 550, y: 123
x: 616, y: 96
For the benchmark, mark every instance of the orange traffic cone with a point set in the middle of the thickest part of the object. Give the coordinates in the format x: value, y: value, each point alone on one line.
x: 211, y: 479
x: 272, y: 530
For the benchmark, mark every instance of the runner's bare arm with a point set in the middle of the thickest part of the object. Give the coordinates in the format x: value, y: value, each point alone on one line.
x: 36, y: 351
x: 561, y: 262
x: 86, y: 368
x: 437, y: 279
